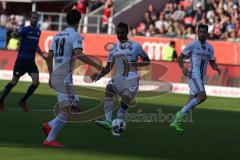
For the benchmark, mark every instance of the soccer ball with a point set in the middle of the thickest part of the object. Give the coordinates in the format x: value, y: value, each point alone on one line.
x: 118, y: 125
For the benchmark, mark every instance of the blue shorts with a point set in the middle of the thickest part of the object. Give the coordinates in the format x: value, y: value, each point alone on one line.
x: 196, y: 85
x: 24, y: 66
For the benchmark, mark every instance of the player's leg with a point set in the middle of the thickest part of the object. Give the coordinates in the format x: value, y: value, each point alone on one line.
x: 53, y: 128
x: 34, y: 74
x: 31, y: 89
x: 108, y: 104
x: 197, y: 96
x: 67, y: 105
x: 128, y: 96
x: 18, y: 71
x: 6, y: 90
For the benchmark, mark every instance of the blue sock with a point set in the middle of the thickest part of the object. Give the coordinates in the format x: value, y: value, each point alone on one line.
x: 6, y: 90
x: 29, y: 92
x: 190, y: 105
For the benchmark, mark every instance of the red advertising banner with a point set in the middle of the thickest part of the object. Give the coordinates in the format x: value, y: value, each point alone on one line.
x: 157, y: 71
x: 96, y: 44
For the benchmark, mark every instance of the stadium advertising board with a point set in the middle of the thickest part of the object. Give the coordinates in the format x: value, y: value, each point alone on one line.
x: 225, y: 52
x: 226, y: 85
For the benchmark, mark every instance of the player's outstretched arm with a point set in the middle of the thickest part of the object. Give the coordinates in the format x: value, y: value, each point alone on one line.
x: 49, y: 61
x: 82, y: 57
x: 40, y: 52
x: 145, y: 61
x: 104, y: 71
x: 181, y: 65
x: 215, y: 66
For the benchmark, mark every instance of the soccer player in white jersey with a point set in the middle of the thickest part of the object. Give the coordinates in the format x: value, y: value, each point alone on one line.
x: 125, y: 81
x: 199, y: 52
x: 66, y: 47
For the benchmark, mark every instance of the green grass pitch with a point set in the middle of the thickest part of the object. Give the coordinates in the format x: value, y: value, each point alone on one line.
x: 213, y: 134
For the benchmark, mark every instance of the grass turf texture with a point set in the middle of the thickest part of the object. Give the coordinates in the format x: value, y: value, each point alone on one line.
x: 214, y: 133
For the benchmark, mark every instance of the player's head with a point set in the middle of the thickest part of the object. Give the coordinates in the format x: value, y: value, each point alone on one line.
x: 122, y: 31
x: 172, y: 44
x: 34, y: 19
x: 73, y: 17
x: 202, y: 32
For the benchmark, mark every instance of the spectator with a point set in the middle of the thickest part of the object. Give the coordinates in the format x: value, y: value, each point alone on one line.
x: 169, y: 52
x: 147, y: 19
x: 94, y: 4
x: 81, y: 6
x: 46, y: 24
x: 171, y: 32
x: 152, y: 12
x: 179, y: 14
x: 189, y: 33
x: 11, y: 26
x: 107, y: 11
x: 178, y: 19
x: 161, y: 22
x: 3, y: 19
x: 197, y: 3
x: 151, y: 31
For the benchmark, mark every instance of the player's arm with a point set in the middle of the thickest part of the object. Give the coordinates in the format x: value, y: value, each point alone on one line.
x: 187, y: 51
x: 212, y: 61
x: 104, y: 71
x: 145, y: 61
x: 214, y: 66
x: 144, y: 57
x: 82, y: 57
x: 181, y: 64
x: 40, y: 52
x: 49, y: 61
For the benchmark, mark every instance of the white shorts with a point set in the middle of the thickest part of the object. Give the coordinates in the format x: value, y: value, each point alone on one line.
x: 196, y: 85
x: 66, y: 96
x: 123, y: 86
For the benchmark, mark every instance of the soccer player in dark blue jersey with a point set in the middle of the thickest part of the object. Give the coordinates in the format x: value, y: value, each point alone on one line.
x: 25, y: 62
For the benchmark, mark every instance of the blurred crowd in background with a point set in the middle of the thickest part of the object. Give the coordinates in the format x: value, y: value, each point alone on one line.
x: 12, y: 23
x: 179, y: 19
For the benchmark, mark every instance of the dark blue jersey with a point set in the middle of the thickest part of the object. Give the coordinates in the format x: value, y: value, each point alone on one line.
x: 29, y: 43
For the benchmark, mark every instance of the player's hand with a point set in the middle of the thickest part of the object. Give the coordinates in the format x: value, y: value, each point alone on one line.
x: 95, y: 77
x: 185, y: 72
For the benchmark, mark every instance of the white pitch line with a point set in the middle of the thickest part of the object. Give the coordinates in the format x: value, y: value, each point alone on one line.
x: 31, y: 110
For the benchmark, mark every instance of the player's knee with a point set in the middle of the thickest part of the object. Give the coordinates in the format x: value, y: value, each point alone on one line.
x: 124, y: 105
x: 110, y: 92
x: 14, y: 82
x: 125, y: 101
x: 202, y: 97
x: 35, y: 83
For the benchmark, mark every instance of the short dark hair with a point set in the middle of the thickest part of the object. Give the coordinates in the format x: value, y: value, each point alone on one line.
x: 73, y: 17
x: 202, y: 26
x: 172, y: 43
x: 123, y: 25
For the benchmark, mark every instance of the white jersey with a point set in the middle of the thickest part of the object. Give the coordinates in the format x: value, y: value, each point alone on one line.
x: 63, y: 46
x: 199, y: 55
x: 124, y: 55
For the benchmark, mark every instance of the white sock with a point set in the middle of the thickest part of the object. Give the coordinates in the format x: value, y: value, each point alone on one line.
x: 51, y: 123
x: 190, y: 105
x: 121, y: 113
x: 109, y: 104
x: 58, y: 124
